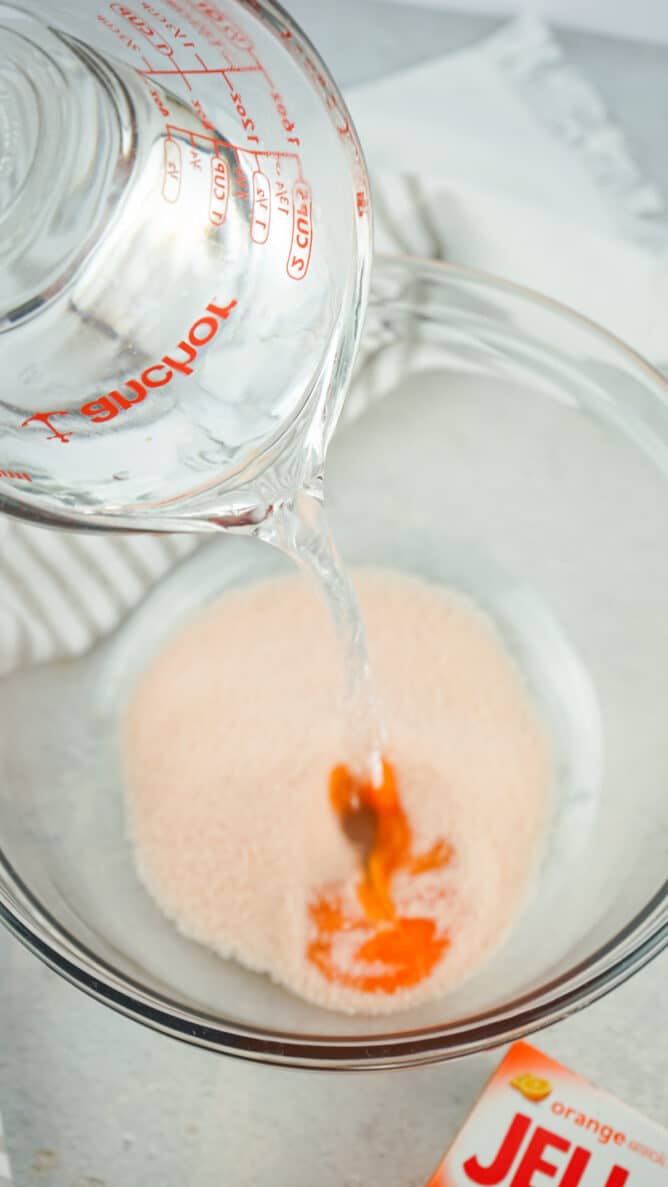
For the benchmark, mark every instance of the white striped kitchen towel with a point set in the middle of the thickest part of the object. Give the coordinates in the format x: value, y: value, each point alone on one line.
x: 60, y: 591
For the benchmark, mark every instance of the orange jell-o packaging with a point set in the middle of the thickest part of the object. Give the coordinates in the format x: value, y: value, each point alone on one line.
x: 537, y: 1124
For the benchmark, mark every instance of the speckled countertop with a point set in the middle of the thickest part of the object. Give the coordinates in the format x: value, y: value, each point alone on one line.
x: 90, y: 1098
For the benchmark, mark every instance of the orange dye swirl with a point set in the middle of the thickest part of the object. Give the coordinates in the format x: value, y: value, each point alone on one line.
x: 398, y: 951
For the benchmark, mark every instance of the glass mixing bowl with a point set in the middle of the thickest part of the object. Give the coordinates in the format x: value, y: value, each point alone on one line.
x: 493, y: 441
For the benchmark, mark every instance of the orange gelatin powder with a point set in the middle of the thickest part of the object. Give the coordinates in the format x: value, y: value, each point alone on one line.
x: 227, y: 745
x: 394, y: 952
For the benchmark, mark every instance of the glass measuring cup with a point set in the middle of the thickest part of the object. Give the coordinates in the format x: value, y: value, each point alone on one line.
x: 184, y: 233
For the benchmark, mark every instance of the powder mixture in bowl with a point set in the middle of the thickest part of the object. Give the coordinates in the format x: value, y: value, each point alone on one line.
x: 233, y: 742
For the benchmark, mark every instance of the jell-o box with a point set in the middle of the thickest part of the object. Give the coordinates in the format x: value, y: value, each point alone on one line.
x: 537, y: 1124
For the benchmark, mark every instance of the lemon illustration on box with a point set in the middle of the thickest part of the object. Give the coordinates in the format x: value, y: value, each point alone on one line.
x: 533, y: 1087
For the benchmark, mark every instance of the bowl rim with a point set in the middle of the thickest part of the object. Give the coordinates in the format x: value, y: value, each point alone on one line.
x: 566, y: 994
x: 633, y: 946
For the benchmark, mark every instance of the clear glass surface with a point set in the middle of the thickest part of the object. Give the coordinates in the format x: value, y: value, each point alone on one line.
x: 184, y: 241
x: 497, y: 443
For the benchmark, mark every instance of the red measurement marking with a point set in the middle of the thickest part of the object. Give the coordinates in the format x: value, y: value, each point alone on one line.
x: 254, y: 69
x: 173, y: 171
x: 271, y: 155
x: 261, y: 208
x: 193, y: 137
x: 220, y: 191
x: 302, y: 231
x: 229, y: 30
x: 241, y: 183
x: 337, y: 114
x: 342, y: 122
x: 180, y: 361
x: 242, y: 58
x: 362, y: 201
x: 247, y: 123
x: 286, y: 122
x: 156, y: 97
x: 281, y: 199
x: 164, y: 48
x: 143, y: 28
x: 11, y: 473
x: 241, y: 152
x: 204, y: 119
x: 184, y: 74
x: 45, y: 419
x: 127, y: 41
x: 159, y: 16
x: 201, y: 27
